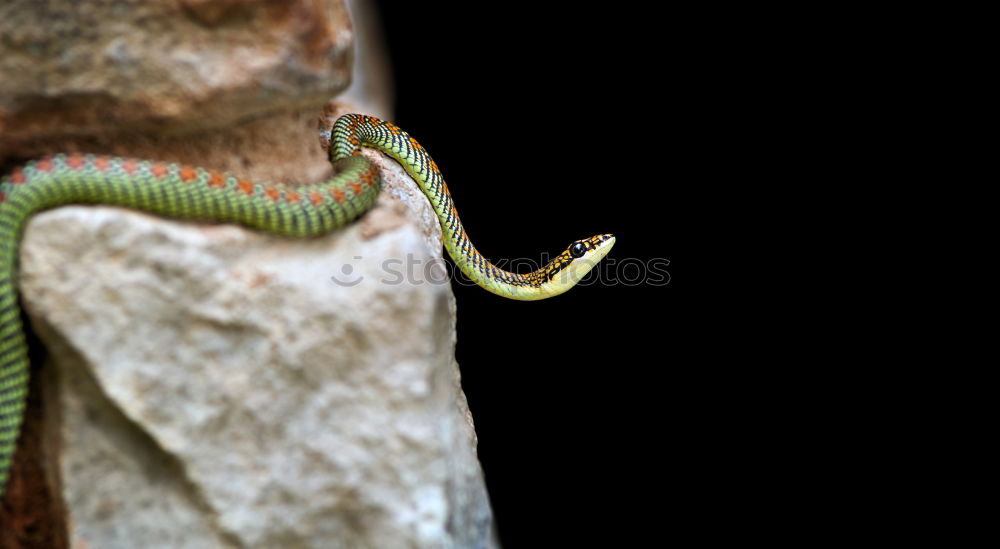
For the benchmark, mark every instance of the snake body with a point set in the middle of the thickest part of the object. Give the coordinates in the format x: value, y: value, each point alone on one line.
x: 187, y: 192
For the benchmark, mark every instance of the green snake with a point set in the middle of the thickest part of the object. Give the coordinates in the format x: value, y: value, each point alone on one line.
x: 187, y: 192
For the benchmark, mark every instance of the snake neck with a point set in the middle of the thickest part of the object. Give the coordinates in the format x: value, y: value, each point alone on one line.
x: 353, y: 131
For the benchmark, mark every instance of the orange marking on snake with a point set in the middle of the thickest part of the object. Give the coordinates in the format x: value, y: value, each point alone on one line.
x: 216, y: 179
x: 434, y: 167
x: 316, y: 198
x: 356, y: 187
x: 188, y: 174
x: 338, y: 195
x: 158, y: 169
x: 246, y: 186
x: 3, y: 197
x: 75, y: 161
x: 17, y: 177
x: 293, y: 197
x: 44, y: 165
x: 129, y: 166
x: 273, y: 194
x: 102, y: 163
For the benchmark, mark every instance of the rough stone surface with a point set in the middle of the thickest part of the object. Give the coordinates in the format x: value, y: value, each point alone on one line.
x: 214, y: 387
x: 99, y: 67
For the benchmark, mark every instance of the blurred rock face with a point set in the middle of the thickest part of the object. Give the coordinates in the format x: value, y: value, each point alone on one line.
x: 107, y: 66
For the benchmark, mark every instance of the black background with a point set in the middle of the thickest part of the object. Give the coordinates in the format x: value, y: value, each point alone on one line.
x: 605, y: 415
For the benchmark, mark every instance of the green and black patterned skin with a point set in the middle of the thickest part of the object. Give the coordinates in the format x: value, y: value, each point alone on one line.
x: 187, y: 192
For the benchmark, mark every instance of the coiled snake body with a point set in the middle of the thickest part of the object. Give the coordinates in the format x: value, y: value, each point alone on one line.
x: 194, y: 193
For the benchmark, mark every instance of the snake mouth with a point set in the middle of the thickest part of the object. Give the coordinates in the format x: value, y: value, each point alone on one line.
x: 600, y: 241
x: 604, y: 244
x: 598, y: 246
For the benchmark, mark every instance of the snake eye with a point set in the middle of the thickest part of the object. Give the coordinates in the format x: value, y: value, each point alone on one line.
x: 577, y: 249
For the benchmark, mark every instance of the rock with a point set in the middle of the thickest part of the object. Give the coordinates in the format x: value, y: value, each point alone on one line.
x: 218, y: 387
x: 106, y: 67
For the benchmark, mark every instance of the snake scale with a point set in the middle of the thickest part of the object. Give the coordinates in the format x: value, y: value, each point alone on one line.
x: 187, y: 192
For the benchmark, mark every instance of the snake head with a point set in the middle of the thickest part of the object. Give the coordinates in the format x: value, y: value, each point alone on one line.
x: 572, y: 265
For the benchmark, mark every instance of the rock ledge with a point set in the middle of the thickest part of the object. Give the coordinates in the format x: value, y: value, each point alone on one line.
x: 217, y: 387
